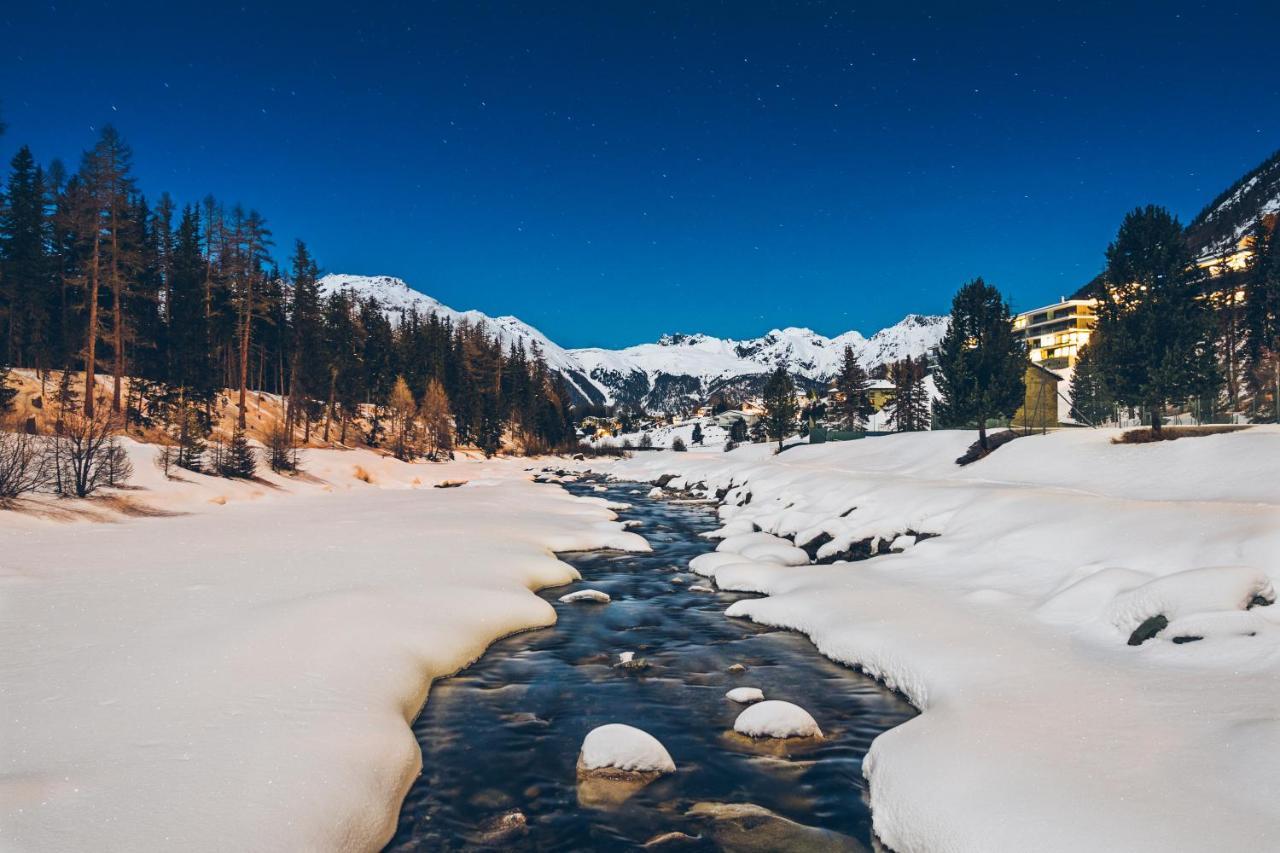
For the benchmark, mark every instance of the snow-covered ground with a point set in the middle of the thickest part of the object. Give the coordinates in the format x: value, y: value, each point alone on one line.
x: 242, y: 676
x: 1042, y: 728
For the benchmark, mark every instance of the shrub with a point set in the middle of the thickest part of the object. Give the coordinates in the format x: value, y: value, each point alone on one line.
x: 1146, y: 435
x: 23, y: 464
x: 677, y: 444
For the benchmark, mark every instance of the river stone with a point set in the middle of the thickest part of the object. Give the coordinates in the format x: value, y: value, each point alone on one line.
x: 737, y: 668
x: 1148, y: 629
x: 748, y: 828
x: 671, y: 839
x: 586, y: 595
x: 503, y: 828
x: 616, y: 761
x: 776, y: 719
x: 745, y: 695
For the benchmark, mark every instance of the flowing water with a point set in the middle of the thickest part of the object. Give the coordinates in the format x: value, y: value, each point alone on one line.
x: 503, y: 735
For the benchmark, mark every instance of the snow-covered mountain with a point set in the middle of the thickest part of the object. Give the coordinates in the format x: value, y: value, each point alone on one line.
x: 1234, y: 212
x: 677, y: 372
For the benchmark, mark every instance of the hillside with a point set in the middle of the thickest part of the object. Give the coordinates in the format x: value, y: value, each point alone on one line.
x: 679, y: 371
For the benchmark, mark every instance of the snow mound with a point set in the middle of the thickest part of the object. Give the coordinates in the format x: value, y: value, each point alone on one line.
x: 586, y: 595
x: 776, y: 552
x: 775, y: 718
x: 1192, y: 591
x: 707, y: 564
x: 623, y: 747
x: 745, y: 695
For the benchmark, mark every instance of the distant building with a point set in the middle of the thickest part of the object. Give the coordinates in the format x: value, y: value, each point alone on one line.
x: 1039, y: 409
x: 1055, y: 333
x: 725, y: 420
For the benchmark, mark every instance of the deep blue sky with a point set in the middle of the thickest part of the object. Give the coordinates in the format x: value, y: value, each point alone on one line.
x: 610, y: 171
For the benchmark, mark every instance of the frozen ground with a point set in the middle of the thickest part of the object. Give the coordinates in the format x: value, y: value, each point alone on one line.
x: 1004, y: 613
x: 242, y: 676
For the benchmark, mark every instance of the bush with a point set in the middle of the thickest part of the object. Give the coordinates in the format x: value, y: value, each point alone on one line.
x: 86, y: 456
x: 23, y: 464
x: 677, y: 444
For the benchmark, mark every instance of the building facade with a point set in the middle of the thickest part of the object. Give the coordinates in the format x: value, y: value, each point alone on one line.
x: 1055, y: 333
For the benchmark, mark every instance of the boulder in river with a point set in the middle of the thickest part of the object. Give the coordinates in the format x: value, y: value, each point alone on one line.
x: 616, y: 761
x: 594, y: 595
x: 774, y: 718
x: 748, y: 828
x: 745, y: 695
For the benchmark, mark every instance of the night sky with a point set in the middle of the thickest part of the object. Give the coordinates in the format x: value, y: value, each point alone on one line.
x: 610, y: 171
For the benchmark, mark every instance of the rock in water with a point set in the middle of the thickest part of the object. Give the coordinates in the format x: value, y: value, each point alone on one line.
x: 776, y: 719
x: 748, y: 828
x: 503, y: 828
x: 586, y: 595
x: 617, y: 760
x: 745, y: 695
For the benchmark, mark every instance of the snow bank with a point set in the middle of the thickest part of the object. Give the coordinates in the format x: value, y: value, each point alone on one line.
x: 1008, y: 627
x: 774, y: 718
x: 242, y: 677
x: 623, y: 747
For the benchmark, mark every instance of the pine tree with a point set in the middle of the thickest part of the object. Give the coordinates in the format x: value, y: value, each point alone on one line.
x: 1262, y: 318
x: 1090, y: 402
x: 25, y: 283
x: 1154, y: 335
x: 853, y: 405
x: 908, y: 411
x: 780, y: 407
x: 7, y: 392
x: 240, y: 460
x: 982, y: 363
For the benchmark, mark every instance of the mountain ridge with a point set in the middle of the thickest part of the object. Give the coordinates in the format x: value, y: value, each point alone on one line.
x: 680, y: 370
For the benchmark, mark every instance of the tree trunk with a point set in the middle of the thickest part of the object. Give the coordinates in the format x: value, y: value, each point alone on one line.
x: 244, y: 343
x: 91, y: 342
x: 117, y: 315
x: 1155, y: 421
x: 982, y: 434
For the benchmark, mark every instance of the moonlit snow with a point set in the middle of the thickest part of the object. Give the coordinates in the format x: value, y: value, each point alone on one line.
x: 1008, y: 626
x: 623, y: 747
x: 243, y: 676
x: 778, y: 719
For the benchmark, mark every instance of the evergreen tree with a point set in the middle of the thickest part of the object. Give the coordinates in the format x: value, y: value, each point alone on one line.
x: 853, y: 403
x: 981, y: 361
x: 1090, y: 402
x: 1262, y: 319
x: 1154, y: 335
x: 7, y: 392
x: 240, y: 460
x: 25, y: 282
x: 908, y: 411
x: 780, y: 407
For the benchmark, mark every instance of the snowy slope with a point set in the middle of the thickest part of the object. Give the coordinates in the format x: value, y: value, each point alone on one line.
x: 678, y: 371
x: 1234, y: 212
x: 398, y: 298
x: 1041, y: 727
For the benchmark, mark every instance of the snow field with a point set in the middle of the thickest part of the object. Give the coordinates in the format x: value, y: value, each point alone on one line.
x: 243, y: 676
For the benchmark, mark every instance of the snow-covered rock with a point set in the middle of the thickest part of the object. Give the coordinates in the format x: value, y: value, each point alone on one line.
x: 594, y: 595
x: 777, y: 719
x: 621, y: 747
x: 745, y: 695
